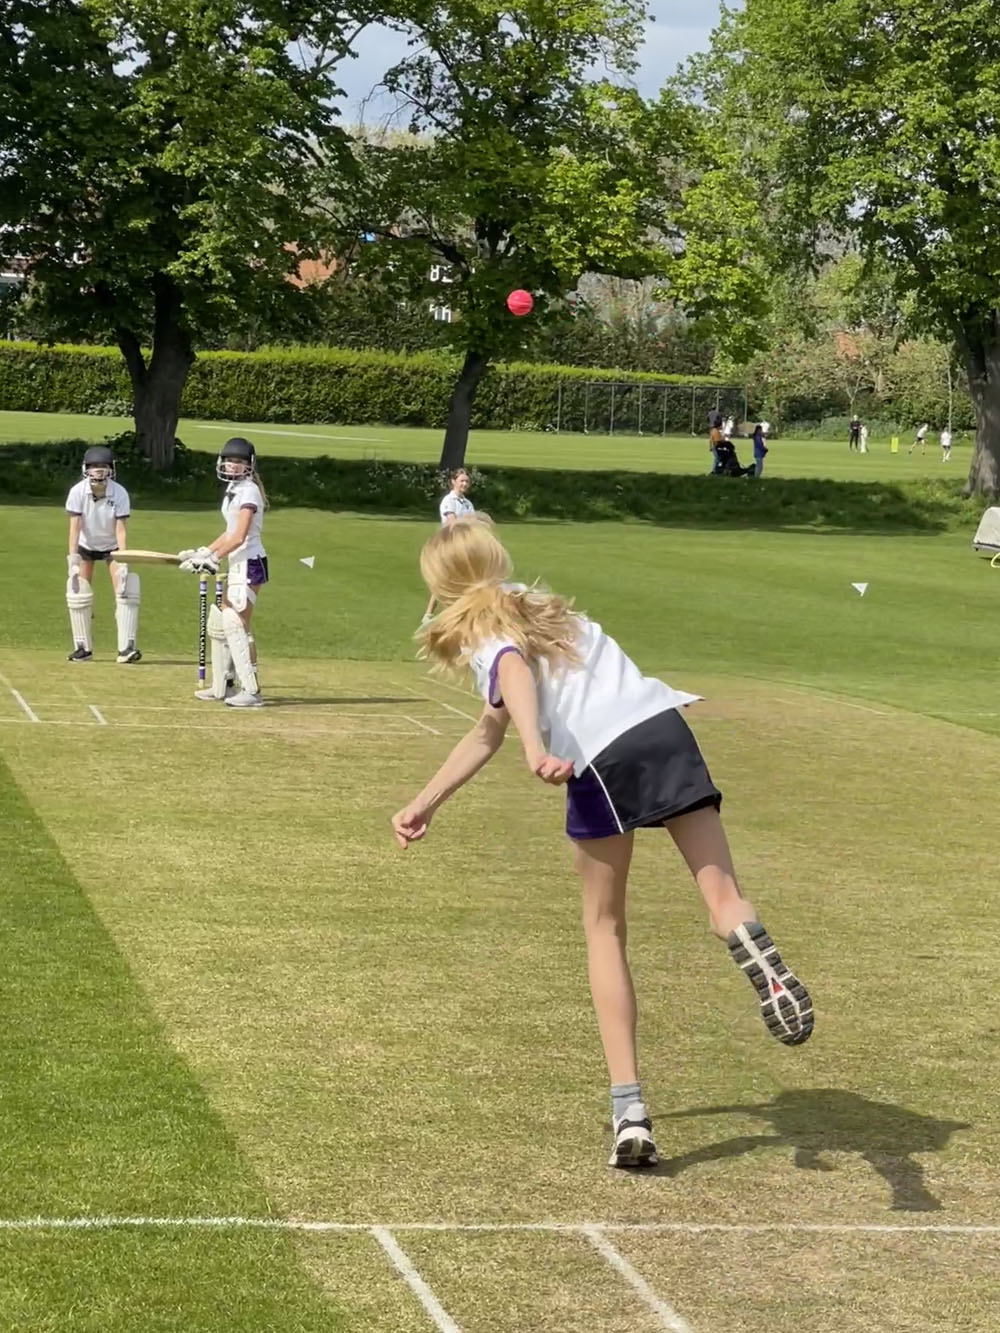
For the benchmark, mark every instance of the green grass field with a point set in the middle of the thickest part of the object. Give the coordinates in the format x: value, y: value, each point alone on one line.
x: 228, y: 996
x: 787, y: 458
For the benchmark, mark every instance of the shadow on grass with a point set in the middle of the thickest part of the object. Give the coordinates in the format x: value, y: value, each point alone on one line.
x: 815, y: 1121
x: 43, y: 472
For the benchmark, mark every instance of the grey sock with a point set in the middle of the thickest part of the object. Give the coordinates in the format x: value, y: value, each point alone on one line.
x: 623, y: 1095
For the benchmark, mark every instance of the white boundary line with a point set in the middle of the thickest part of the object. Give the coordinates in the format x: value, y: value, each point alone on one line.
x: 109, y: 1222
x: 666, y: 1314
x: 101, y: 719
x: 403, y: 1266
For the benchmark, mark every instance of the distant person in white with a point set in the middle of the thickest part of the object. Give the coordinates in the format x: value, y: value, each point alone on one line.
x: 587, y: 717
x: 453, y: 506
x: 99, y: 509
x: 920, y: 438
x: 863, y: 440
x: 945, y: 445
x: 728, y: 428
x: 234, y: 649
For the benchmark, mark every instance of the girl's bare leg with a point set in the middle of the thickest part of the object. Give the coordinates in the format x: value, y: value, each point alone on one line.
x: 702, y: 841
x: 603, y: 865
x: 785, y: 1005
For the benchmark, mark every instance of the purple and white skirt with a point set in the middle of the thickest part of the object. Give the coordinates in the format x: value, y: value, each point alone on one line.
x: 649, y: 774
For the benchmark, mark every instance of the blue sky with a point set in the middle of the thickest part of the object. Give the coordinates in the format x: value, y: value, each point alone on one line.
x: 679, y: 29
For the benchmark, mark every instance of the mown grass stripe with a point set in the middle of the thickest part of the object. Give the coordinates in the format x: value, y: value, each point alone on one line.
x: 98, y: 1114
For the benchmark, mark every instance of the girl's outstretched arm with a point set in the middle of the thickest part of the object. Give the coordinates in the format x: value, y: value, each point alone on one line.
x: 472, y: 753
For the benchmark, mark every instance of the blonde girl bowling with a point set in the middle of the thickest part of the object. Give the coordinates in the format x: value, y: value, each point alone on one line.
x: 589, y: 719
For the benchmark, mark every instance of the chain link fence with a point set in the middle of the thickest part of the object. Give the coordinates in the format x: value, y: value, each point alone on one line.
x: 628, y: 407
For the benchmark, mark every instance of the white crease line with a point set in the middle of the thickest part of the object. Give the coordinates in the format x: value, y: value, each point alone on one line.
x: 423, y: 725
x: 24, y: 705
x: 438, y: 703
x: 102, y: 720
x: 666, y: 1314
x: 447, y: 685
x: 298, y: 434
x: 32, y: 716
x: 109, y: 1222
x: 829, y: 698
x: 222, y: 729
x: 401, y: 1262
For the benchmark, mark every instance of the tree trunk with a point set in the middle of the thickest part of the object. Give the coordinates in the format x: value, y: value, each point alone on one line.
x: 157, y: 387
x: 982, y: 361
x: 456, y: 435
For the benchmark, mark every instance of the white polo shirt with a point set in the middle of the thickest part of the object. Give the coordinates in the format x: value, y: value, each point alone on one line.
x: 455, y: 504
x: 98, y: 515
x: 244, y: 494
x: 583, y: 708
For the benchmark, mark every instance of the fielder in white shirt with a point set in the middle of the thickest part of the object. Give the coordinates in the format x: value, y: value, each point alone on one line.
x: 453, y: 506
x: 234, y: 649
x: 945, y: 445
x: 99, y: 509
x: 589, y: 718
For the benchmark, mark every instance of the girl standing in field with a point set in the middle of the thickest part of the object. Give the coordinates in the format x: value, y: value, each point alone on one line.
x: 233, y: 646
x: 587, y: 717
x: 99, y: 509
x: 453, y: 506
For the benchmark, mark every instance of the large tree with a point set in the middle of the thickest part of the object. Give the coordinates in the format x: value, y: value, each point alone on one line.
x: 519, y: 170
x: 152, y: 168
x: 876, y: 119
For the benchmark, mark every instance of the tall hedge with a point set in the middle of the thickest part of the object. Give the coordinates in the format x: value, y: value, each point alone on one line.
x: 355, y: 387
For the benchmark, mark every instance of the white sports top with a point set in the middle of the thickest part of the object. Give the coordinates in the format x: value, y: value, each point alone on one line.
x: 244, y: 494
x: 98, y: 515
x: 583, y: 708
x: 455, y: 504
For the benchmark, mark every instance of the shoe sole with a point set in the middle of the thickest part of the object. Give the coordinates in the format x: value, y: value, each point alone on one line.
x: 634, y: 1154
x: 785, y: 1005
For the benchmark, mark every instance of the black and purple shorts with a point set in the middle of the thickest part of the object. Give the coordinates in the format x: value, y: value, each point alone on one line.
x: 649, y: 774
x: 257, y: 571
x: 96, y: 557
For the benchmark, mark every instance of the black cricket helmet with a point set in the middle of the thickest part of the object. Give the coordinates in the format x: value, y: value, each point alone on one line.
x: 233, y: 453
x: 98, y: 463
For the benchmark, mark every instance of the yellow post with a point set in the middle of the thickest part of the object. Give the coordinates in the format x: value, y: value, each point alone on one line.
x: 894, y: 445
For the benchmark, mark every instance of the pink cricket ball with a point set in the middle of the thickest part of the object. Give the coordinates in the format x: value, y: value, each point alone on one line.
x: 520, y: 302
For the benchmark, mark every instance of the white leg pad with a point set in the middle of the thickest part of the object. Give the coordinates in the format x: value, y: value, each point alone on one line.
x: 80, y: 601
x: 222, y: 662
x: 127, y: 612
x: 239, y: 645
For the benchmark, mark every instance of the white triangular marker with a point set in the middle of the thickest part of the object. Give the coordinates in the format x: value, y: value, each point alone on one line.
x: 310, y: 560
x: 861, y: 587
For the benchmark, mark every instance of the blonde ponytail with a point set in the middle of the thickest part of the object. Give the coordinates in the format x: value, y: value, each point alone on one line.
x: 255, y: 477
x: 466, y: 568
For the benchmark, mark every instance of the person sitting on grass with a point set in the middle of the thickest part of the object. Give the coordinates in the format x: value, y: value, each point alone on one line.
x: 588, y: 719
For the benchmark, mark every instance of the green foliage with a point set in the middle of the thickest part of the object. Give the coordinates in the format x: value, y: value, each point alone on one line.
x: 329, y: 385
x: 40, y: 471
x: 519, y: 170
x: 877, y: 121
x: 153, y: 159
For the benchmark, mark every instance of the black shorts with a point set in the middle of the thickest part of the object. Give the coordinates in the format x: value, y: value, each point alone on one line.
x: 649, y: 774
x: 95, y: 557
